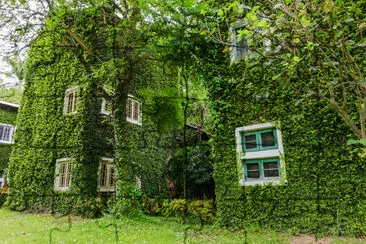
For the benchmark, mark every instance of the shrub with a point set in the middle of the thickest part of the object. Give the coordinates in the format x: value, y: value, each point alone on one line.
x: 3, y: 194
x: 203, y: 209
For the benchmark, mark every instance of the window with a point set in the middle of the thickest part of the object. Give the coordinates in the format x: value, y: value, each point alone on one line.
x: 6, y: 133
x: 106, y: 106
x: 262, y: 169
x: 70, y: 101
x: 107, y: 175
x: 1, y: 179
x: 133, y: 113
x: 63, y: 174
x: 261, y: 155
x: 256, y: 40
x: 133, y: 109
x: 259, y: 140
x: 240, y: 47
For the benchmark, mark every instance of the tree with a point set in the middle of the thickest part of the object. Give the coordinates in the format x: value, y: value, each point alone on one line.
x: 317, y: 48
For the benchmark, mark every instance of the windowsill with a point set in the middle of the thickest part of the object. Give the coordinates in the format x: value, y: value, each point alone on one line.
x: 263, y: 182
x: 6, y: 142
x: 262, y: 154
x: 132, y: 121
x: 69, y: 114
x: 61, y: 189
x: 106, y: 190
x: 105, y: 112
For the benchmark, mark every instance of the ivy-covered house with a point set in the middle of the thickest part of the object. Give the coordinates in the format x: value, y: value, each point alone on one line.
x: 83, y: 131
x: 281, y: 160
x: 8, y: 113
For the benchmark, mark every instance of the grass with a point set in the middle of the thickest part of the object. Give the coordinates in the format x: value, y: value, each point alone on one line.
x: 42, y: 228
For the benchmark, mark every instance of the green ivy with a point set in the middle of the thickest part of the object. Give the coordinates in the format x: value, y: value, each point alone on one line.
x: 45, y: 134
x: 6, y: 117
x: 325, y: 189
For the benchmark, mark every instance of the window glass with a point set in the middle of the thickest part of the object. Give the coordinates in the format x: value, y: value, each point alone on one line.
x: 270, y: 169
x: 253, y: 170
x: 250, y: 141
x: 268, y: 139
x: 5, y: 133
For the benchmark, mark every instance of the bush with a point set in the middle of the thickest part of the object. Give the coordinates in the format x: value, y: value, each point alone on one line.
x: 3, y: 194
x: 203, y: 209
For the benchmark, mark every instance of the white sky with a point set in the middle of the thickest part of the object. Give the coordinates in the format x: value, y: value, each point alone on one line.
x: 21, y: 13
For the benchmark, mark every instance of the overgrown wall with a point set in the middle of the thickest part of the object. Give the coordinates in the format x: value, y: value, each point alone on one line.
x: 46, y: 134
x: 325, y: 190
x: 7, y: 116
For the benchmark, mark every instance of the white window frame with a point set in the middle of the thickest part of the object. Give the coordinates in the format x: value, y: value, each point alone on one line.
x: 59, y: 162
x: 2, y: 179
x: 109, y: 165
x: 277, y: 153
x: 131, y: 118
x: 75, y: 91
x: 234, y: 49
x: 104, y: 106
x: 11, y: 133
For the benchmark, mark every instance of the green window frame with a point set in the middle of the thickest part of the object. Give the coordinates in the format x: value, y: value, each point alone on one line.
x: 262, y: 168
x: 255, y: 140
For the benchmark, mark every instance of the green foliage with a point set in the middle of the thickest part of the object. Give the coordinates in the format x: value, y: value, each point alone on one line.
x: 55, y: 63
x: 203, y: 209
x: 6, y: 117
x: 199, y: 171
x: 325, y: 181
x: 3, y: 195
x: 12, y: 95
x: 177, y: 207
x: 323, y: 40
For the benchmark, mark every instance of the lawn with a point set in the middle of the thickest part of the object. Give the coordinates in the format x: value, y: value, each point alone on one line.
x: 42, y: 228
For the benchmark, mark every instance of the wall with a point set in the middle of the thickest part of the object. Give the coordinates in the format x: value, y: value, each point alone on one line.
x: 326, y: 181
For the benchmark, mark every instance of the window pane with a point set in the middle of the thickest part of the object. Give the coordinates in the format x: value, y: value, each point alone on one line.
x: 271, y: 169
x: 70, y: 105
x: 68, y: 171
x: 129, y: 109
x: 240, y: 46
x: 253, y: 170
x: 5, y: 134
x: 136, y: 111
x: 103, y: 174
x: 111, y: 176
x: 268, y: 139
x: 250, y: 141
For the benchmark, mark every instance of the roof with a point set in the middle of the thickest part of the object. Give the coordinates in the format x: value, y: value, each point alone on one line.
x: 9, y: 105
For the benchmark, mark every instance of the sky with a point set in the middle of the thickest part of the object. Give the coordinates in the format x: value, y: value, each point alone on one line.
x: 21, y: 16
